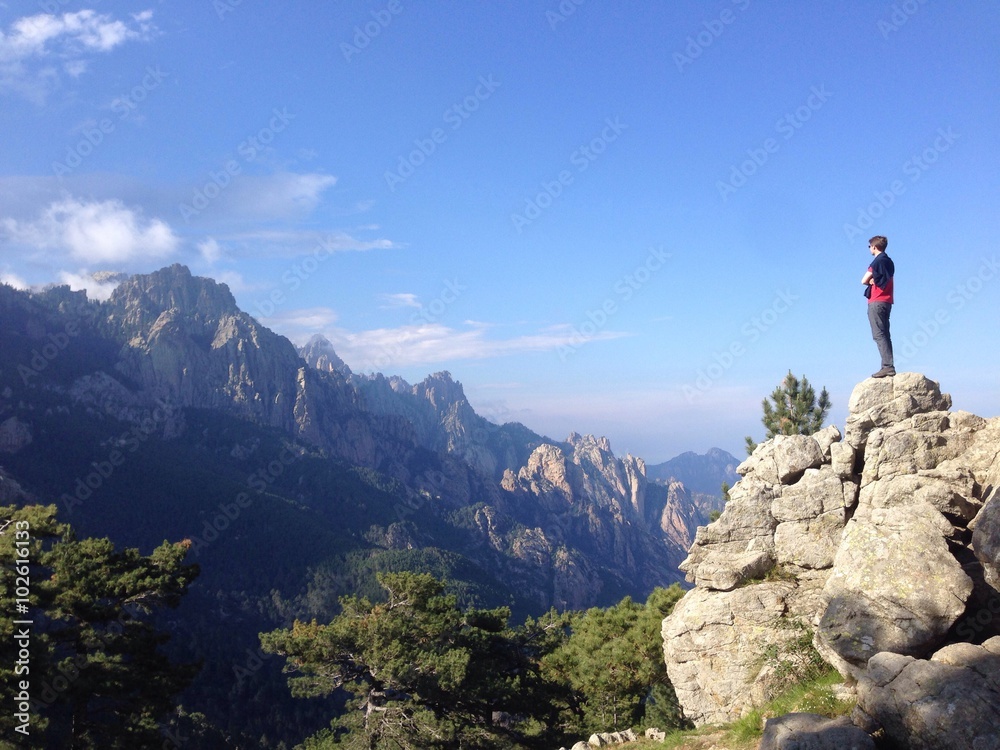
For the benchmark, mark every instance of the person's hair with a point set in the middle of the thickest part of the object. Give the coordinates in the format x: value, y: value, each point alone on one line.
x: 879, y: 242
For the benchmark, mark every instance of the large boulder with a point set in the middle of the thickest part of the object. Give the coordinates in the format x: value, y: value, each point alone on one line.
x: 880, y: 522
x: 714, y: 644
x: 802, y: 731
x: 952, y: 492
x: 895, y: 587
x: 784, y: 458
x: 950, y: 702
x: 879, y: 402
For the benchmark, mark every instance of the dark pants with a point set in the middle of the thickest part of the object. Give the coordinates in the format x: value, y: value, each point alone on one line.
x: 878, y: 316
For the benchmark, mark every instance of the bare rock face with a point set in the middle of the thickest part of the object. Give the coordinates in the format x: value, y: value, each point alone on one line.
x: 879, y: 402
x: 319, y: 354
x: 949, y: 702
x: 739, y: 545
x: 184, y: 340
x: 871, y: 532
x: 986, y: 540
x: 895, y: 587
x: 714, y: 644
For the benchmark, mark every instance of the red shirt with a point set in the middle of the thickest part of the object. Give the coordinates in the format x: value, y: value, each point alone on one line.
x: 882, y: 269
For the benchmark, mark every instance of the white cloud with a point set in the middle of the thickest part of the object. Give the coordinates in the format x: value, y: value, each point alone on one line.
x: 210, y: 251
x: 28, y: 48
x: 93, y: 232
x: 13, y: 280
x: 99, y: 290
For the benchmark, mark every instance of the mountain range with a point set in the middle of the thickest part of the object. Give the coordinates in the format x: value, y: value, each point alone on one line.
x: 167, y: 412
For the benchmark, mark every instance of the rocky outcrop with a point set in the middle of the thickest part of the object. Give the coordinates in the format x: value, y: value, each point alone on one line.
x: 951, y: 700
x: 867, y: 540
x: 582, y: 496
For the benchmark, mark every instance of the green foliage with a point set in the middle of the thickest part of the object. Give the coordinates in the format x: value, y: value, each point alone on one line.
x: 714, y: 515
x: 421, y: 672
x: 98, y: 677
x: 812, y: 695
x: 793, y: 409
x: 613, y: 663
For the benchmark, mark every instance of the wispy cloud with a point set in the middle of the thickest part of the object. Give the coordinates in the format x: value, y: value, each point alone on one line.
x: 403, y: 299
x: 35, y: 48
x: 430, y: 343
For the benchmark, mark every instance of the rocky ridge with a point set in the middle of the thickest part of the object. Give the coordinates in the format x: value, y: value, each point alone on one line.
x: 175, y: 339
x: 878, y: 546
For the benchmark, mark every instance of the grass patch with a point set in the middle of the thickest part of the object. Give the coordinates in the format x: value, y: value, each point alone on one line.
x: 810, y: 696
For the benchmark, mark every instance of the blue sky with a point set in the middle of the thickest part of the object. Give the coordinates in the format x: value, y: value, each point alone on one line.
x: 626, y: 219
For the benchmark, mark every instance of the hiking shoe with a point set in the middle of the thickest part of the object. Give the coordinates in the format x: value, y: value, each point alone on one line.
x: 885, y: 372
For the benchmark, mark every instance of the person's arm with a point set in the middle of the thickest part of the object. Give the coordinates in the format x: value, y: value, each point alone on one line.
x: 867, y: 278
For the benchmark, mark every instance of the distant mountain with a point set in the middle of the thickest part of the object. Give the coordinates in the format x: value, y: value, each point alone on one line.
x: 702, y: 475
x: 700, y: 472
x: 167, y: 412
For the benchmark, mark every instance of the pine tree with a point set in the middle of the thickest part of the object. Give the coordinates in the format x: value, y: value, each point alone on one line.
x: 422, y: 672
x: 613, y: 662
x: 98, y: 678
x: 792, y: 409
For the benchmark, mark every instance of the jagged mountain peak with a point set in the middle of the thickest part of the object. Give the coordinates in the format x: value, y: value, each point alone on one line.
x: 589, y: 442
x: 320, y: 354
x: 441, y: 390
x: 142, y: 298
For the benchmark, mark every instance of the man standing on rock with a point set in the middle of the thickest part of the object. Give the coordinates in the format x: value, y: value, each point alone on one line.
x: 878, y: 290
